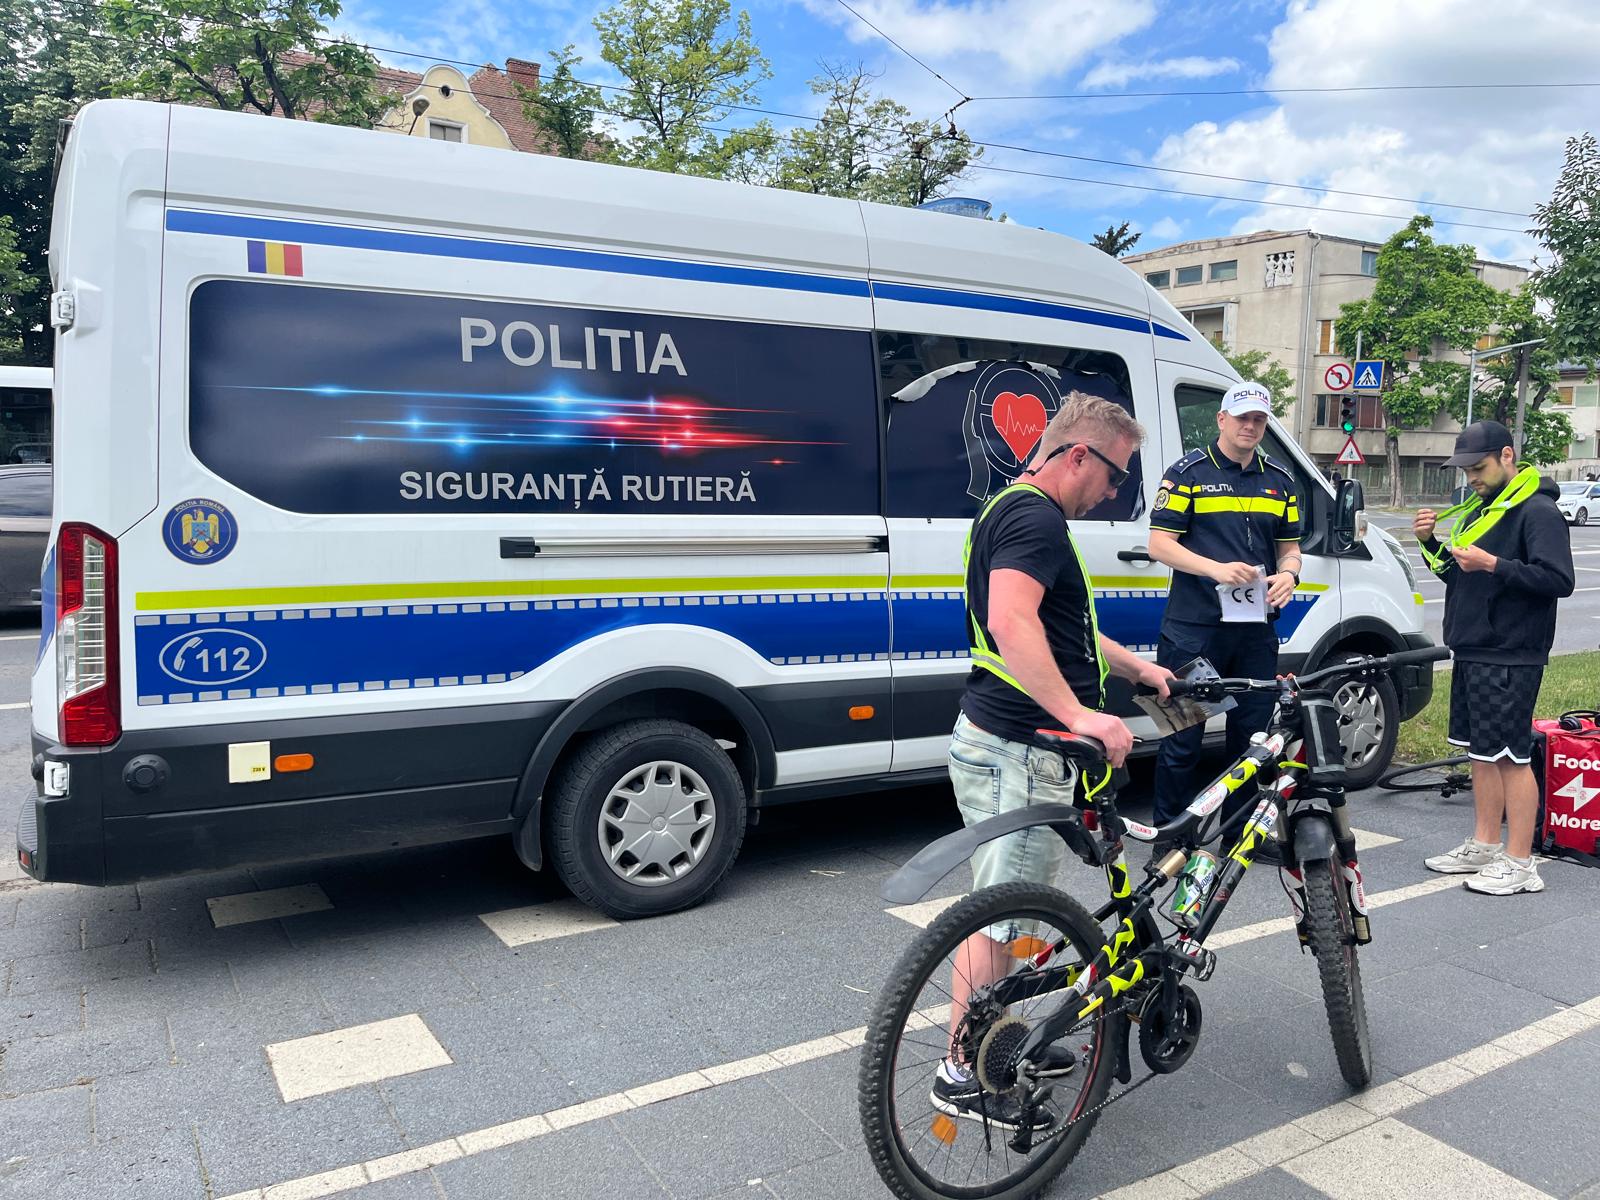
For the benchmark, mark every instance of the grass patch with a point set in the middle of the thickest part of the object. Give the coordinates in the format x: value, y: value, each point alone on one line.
x: 1569, y: 682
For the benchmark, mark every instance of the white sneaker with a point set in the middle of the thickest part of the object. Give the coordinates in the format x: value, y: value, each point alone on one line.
x: 1468, y: 858
x: 1506, y: 877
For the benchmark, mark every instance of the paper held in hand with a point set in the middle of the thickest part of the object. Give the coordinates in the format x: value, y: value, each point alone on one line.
x: 1182, y: 712
x: 1244, y: 603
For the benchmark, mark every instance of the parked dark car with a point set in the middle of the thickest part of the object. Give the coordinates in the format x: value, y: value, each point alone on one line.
x: 24, y: 530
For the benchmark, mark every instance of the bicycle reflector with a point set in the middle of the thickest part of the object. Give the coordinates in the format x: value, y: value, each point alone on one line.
x: 87, y: 683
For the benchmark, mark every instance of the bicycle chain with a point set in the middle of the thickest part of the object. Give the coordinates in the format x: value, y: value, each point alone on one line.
x: 1126, y: 1007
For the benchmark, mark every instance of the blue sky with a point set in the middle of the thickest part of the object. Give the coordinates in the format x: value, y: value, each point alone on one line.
x: 1499, y: 150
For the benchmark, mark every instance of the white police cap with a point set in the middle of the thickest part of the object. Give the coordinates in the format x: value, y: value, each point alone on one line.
x: 1247, y: 398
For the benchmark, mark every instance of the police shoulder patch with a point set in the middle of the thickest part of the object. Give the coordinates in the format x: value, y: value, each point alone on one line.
x: 1277, y: 466
x: 1184, y: 463
x: 1164, y: 495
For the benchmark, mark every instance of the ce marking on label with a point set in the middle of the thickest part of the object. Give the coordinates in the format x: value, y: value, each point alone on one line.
x: 1243, y: 595
x: 213, y: 656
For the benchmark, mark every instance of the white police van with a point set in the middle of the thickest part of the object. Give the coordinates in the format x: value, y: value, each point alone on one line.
x: 409, y: 492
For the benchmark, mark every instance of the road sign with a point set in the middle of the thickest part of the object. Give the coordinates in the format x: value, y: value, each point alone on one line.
x: 1351, y: 455
x: 1369, y: 375
x: 1338, y: 377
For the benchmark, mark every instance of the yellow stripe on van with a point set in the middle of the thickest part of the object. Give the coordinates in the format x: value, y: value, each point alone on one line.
x: 356, y: 592
x: 274, y: 258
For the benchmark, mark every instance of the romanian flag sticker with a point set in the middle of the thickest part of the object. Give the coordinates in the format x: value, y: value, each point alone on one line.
x: 275, y: 258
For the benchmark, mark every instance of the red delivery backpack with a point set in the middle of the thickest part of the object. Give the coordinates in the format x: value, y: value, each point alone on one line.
x: 1567, y: 748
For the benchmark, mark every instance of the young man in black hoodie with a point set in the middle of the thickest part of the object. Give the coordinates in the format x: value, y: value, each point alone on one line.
x: 1505, y: 561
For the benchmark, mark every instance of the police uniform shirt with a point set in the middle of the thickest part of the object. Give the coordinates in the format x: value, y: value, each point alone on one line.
x: 1227, y: 513
x: 1027, y: 532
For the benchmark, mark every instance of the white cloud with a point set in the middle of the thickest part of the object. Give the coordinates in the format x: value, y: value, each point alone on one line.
x: 991, y: 46
x: 1494, y: 148
x: 1120, y: 74
x: 1164, y: 230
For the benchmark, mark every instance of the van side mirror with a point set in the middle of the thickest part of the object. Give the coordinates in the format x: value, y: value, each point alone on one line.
x: 1349, y: 519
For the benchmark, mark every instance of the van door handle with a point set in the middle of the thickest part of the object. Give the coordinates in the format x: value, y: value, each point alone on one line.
x: 1138, y: 554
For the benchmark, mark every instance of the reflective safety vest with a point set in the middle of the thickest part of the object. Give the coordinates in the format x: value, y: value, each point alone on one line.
x: 1463, y: 524
x: 984, y: 653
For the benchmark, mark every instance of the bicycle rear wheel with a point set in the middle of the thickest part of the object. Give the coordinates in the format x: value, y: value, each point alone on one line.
x: 1332, y: 935
x: 925, y: 1147
x: 1443, y: 773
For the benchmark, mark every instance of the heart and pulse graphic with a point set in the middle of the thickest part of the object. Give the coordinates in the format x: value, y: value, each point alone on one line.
x: 1020, y: 421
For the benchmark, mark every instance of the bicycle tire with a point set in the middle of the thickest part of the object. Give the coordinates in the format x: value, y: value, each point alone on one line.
x: 1429, y: 776
x: 1328, y: 925
x: 895, y: 1005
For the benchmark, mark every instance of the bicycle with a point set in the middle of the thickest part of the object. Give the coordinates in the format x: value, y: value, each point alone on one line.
x: 1059, y: 995
x: 1447, y: 776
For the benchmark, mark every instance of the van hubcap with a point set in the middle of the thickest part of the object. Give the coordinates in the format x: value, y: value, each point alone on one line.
x: 656, y: 823
x: 1361, y: 724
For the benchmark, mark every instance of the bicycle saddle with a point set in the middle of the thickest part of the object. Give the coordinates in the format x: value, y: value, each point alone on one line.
x: 1085, y: 751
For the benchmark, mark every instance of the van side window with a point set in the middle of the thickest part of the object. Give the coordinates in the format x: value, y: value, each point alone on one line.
x: 965, y: 415
x: 1197, y: 427
x: 24, y: 494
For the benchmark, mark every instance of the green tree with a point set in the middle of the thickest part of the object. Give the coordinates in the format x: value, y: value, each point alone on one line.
x: 1547, y: 436
x: 264, y: 56
x: 563, y: 106
x: 868, y: 147
x: 1425, y: 301
x: 1569, y: 228
x: 1116, y: 241
x: 54, y: 57
x: 1258, y: 366
x: 682, y: 75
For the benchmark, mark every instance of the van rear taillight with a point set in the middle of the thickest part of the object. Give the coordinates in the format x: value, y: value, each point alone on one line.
x: 87, y: 685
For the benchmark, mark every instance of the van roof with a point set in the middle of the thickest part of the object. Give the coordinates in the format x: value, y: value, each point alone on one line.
x: 298, y: 167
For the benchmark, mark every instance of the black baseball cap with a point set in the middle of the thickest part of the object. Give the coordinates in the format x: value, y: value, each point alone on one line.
x: 1477, y: 441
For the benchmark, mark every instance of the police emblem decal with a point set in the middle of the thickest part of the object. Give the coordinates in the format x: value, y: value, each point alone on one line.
x: 1160, y: 501
x: 200, y: 531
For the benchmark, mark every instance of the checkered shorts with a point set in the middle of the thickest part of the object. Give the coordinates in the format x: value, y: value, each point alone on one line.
x: 1491, y: 709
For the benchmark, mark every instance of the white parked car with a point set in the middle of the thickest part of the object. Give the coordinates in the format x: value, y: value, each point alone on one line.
x: 1579, y: 502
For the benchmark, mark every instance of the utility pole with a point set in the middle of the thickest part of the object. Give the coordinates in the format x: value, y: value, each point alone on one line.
x: 1523, y: 355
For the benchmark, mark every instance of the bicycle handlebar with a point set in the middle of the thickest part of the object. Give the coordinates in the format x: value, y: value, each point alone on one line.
x: 1366, y: 664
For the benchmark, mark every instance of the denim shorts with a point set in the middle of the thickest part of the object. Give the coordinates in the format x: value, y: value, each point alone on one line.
x: 992, y: 775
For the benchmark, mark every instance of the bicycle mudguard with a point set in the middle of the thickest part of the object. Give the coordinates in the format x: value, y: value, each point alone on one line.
x: 937, y: 859
x: 1313, y: 839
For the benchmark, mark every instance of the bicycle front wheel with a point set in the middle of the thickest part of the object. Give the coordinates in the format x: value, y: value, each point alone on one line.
x: 962, y: 999
x: 1452, y: 773
x: 1332, y: 935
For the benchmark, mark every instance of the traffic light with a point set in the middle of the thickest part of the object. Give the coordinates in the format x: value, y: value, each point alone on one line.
x: 1347, y: 413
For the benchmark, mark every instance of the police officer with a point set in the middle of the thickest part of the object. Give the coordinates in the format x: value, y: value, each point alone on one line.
x: 1227, y: 521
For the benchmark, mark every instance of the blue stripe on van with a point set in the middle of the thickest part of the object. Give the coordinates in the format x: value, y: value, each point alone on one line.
x: 181, y: 220
x: 1016, y: 304
x: 352, y: 237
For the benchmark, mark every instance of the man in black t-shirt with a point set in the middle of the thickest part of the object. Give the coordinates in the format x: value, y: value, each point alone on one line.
x: 1038, y: 661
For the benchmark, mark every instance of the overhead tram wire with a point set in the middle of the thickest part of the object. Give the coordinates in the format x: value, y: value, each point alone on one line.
x: 1026, y: 149
x: 1289, y: 91
x: 903, y: 50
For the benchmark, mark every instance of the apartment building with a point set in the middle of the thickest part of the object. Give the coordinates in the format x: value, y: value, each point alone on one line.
x: 1280, y: 292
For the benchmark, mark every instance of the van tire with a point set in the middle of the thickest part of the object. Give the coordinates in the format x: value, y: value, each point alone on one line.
x: 1357, y: 700
x: 619, y: 760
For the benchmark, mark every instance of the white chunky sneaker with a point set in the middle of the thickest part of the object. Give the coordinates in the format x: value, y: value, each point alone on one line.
x: 1466, y: 859
x: 1506, y: 876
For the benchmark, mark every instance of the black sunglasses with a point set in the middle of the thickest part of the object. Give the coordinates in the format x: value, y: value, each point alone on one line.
x: 1119, y: 475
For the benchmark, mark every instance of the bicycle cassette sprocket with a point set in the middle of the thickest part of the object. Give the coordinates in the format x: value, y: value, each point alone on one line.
x: 997, y: 1053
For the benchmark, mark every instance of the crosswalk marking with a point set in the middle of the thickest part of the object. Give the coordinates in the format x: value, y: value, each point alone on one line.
x: 267, y: 905
x: 331, y: 1062
x: 1393, y: 1160
x: 541, y: 922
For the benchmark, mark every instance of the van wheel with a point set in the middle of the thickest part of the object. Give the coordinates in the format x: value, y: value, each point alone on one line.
x: 1369, y: 724
x: 646, y: 818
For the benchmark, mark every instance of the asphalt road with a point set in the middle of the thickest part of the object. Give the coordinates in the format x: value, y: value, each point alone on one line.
x: 1578, y: 624
x: 442, y: 1024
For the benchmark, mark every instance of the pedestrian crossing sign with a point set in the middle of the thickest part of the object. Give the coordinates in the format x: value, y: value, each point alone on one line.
x: 1369, y: 376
